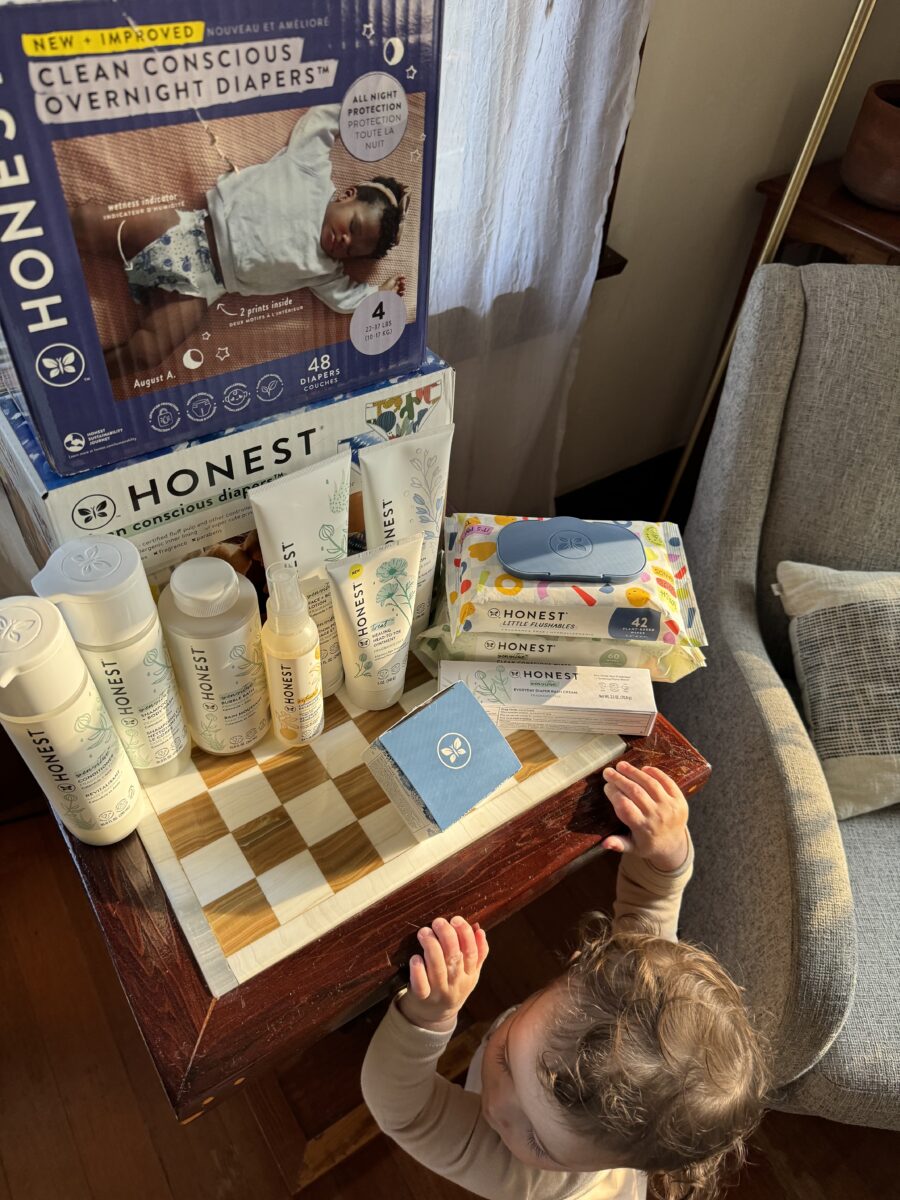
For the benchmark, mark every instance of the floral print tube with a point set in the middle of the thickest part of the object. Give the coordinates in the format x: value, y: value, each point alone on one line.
x: 374, y: 597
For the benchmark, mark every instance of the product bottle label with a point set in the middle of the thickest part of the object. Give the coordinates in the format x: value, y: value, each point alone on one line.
x: 295, y: 690
x: 80, y: 763
x: 223, y: 686
x: 137, y: 686
x: 318, y: 597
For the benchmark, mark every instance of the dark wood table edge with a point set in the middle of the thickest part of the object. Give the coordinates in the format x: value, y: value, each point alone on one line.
x: 204, y: 1047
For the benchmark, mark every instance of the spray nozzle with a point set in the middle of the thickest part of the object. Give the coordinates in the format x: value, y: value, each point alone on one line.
x: 286, y: 607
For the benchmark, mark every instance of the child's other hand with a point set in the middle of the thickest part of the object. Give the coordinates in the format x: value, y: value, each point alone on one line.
x: 396, y: 283
x: 655, y: 811
x: 443, y: 977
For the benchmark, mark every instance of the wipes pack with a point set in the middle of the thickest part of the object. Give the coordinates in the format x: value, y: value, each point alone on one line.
x: 657, y: 606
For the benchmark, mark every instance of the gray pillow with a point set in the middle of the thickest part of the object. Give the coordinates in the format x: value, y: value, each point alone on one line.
x: 845, y: 638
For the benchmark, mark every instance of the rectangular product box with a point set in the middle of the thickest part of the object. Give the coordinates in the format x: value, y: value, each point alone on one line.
x: 441, y: 760
x: 191, y: 498
x: 212, y: 214
x: 568, y: 698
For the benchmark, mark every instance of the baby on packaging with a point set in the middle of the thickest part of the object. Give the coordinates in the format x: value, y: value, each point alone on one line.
x: 639, y: 1060
x: 269, y: 228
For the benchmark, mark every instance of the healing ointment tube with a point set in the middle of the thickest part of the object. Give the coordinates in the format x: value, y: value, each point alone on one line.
x: 301, y: 521
x: 374, y: 595
x: 404, y: 483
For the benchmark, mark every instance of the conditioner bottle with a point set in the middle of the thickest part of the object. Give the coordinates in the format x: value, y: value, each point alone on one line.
x: 290, y: 641
x: 210, y: 615
x: 100, y: 587
x: 55, y: 718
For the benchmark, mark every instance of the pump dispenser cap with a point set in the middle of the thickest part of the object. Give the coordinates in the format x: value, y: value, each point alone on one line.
x: 286, y: 607
x: 40, y: 667
x: 100, y: 587
x: 204, y: 587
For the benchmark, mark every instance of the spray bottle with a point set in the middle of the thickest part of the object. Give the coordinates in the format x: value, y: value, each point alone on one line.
x: 290, y: 641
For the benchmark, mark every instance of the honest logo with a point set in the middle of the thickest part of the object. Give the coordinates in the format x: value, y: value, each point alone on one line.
x: 94, y: 511
x: 91, y: 562
x: 570, y: 544
x: 18, y: 627
x: 59, y: 365
x: 454, y: 751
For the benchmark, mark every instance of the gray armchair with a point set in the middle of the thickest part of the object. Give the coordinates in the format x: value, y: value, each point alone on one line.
x: 803, y: 464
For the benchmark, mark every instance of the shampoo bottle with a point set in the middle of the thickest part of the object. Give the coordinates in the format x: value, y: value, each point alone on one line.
x: 211, y: 620
x: 55, y: 718
x: 100, y: 587
x: 290, y: 641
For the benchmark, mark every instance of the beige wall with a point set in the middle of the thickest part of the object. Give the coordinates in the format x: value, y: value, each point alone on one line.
x: 727, y: 91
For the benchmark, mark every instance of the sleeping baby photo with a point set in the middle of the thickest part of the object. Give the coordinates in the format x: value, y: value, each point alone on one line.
x: 232, y: 250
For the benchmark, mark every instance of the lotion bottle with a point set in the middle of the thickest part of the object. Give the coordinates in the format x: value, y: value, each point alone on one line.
x: 290, y: 640
x: 55, y: 718
x: 210, y: 616
x: 99, y: 585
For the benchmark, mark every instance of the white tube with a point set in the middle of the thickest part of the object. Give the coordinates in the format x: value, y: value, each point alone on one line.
x: 301, y: 520
x: 404, y: 485
x: 374, y: 594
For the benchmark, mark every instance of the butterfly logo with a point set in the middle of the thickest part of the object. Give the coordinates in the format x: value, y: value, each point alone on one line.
x: 93, y: 512
x: 93, y: 562
x: 60, y: 364
x: 65, y: 365
x: 454, y: 751
x: 13, y: 629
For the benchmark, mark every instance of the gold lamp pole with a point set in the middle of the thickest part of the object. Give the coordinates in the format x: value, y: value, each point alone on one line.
x: 779, y: 222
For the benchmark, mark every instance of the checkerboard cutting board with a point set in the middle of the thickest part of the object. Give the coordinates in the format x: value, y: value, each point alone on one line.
x: 261, y: 853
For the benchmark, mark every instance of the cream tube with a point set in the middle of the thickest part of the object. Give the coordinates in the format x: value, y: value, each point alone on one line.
x: 404, y: 485
x: 374, y: 594
x: 301, y: 520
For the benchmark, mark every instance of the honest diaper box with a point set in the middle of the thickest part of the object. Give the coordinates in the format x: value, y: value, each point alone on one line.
x: 192, y: 498
x: 544, y: 695
x: 441, y: 760
x: 210, y: 211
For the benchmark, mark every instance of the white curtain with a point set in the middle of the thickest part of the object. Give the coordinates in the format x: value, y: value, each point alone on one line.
x: 536, y: 96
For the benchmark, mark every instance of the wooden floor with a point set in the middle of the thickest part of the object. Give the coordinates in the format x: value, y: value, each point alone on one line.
x: 82, y: 1115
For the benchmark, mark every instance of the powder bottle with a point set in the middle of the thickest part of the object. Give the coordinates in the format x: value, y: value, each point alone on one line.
x: 55, y: 718
x: 290, y: 641
x: 100, y: 587
x: 210, y: 615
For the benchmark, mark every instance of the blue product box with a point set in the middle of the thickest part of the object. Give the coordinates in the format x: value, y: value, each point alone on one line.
x: 441, y: 760
x: 210, y: 214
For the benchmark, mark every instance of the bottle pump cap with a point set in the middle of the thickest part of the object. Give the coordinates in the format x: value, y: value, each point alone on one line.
x: 40, y: 667
x: 204, y: 587
x: 99, y: 584
x: 286, y: 607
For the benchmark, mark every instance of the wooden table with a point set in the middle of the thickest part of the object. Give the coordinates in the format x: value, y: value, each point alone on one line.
x: 205, y: 1047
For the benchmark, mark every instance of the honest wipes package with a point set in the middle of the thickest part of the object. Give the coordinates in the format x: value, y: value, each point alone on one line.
x: 657, y: 606
x: 210, y: 211
x: 565, y: 697
x: 441, y: 760
x: 667, y: 662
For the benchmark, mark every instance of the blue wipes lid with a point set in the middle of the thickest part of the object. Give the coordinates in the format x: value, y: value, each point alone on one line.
x: 566, y: 548
x: 451, y: 752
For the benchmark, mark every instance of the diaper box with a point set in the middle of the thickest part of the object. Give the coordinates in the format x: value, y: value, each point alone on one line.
x: 191, y: 498
x: 441, y: 760
x: 550, y: 696
x: 210, y: 213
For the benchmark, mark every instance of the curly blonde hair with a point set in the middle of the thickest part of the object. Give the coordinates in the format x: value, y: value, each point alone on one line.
x: 653, y: 1053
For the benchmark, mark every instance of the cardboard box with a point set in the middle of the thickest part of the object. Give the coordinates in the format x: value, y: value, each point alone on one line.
x: 184, y: 500
x: 441, y: 760
x: 182, y: 242
x: 569, y: 698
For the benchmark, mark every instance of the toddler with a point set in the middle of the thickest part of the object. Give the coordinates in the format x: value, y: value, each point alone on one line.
x: 273, y: 227
x: 640, y: 1060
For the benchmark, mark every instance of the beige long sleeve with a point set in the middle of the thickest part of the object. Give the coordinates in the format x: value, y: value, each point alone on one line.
x: 440, y: 1125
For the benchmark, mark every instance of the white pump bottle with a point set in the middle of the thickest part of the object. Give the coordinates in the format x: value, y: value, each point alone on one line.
x: 290, y: 641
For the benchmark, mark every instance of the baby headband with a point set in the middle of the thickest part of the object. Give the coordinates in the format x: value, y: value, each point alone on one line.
x: 402, y: 203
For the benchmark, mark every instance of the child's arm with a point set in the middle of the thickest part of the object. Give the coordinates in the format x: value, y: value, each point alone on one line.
x: 657, y: 854
x: 434, y: 1120
x: 313, y: 136
x: 344, y: 295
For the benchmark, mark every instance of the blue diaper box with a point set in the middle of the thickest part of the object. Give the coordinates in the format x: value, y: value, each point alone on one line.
x: 441, y: 760
x: 210, y: 213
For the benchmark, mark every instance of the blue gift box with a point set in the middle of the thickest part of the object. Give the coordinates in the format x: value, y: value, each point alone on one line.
x: 441, y: 760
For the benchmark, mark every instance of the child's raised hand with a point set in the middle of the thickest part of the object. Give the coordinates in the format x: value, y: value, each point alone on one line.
x: 443, y: 977
x: 655, y: 811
